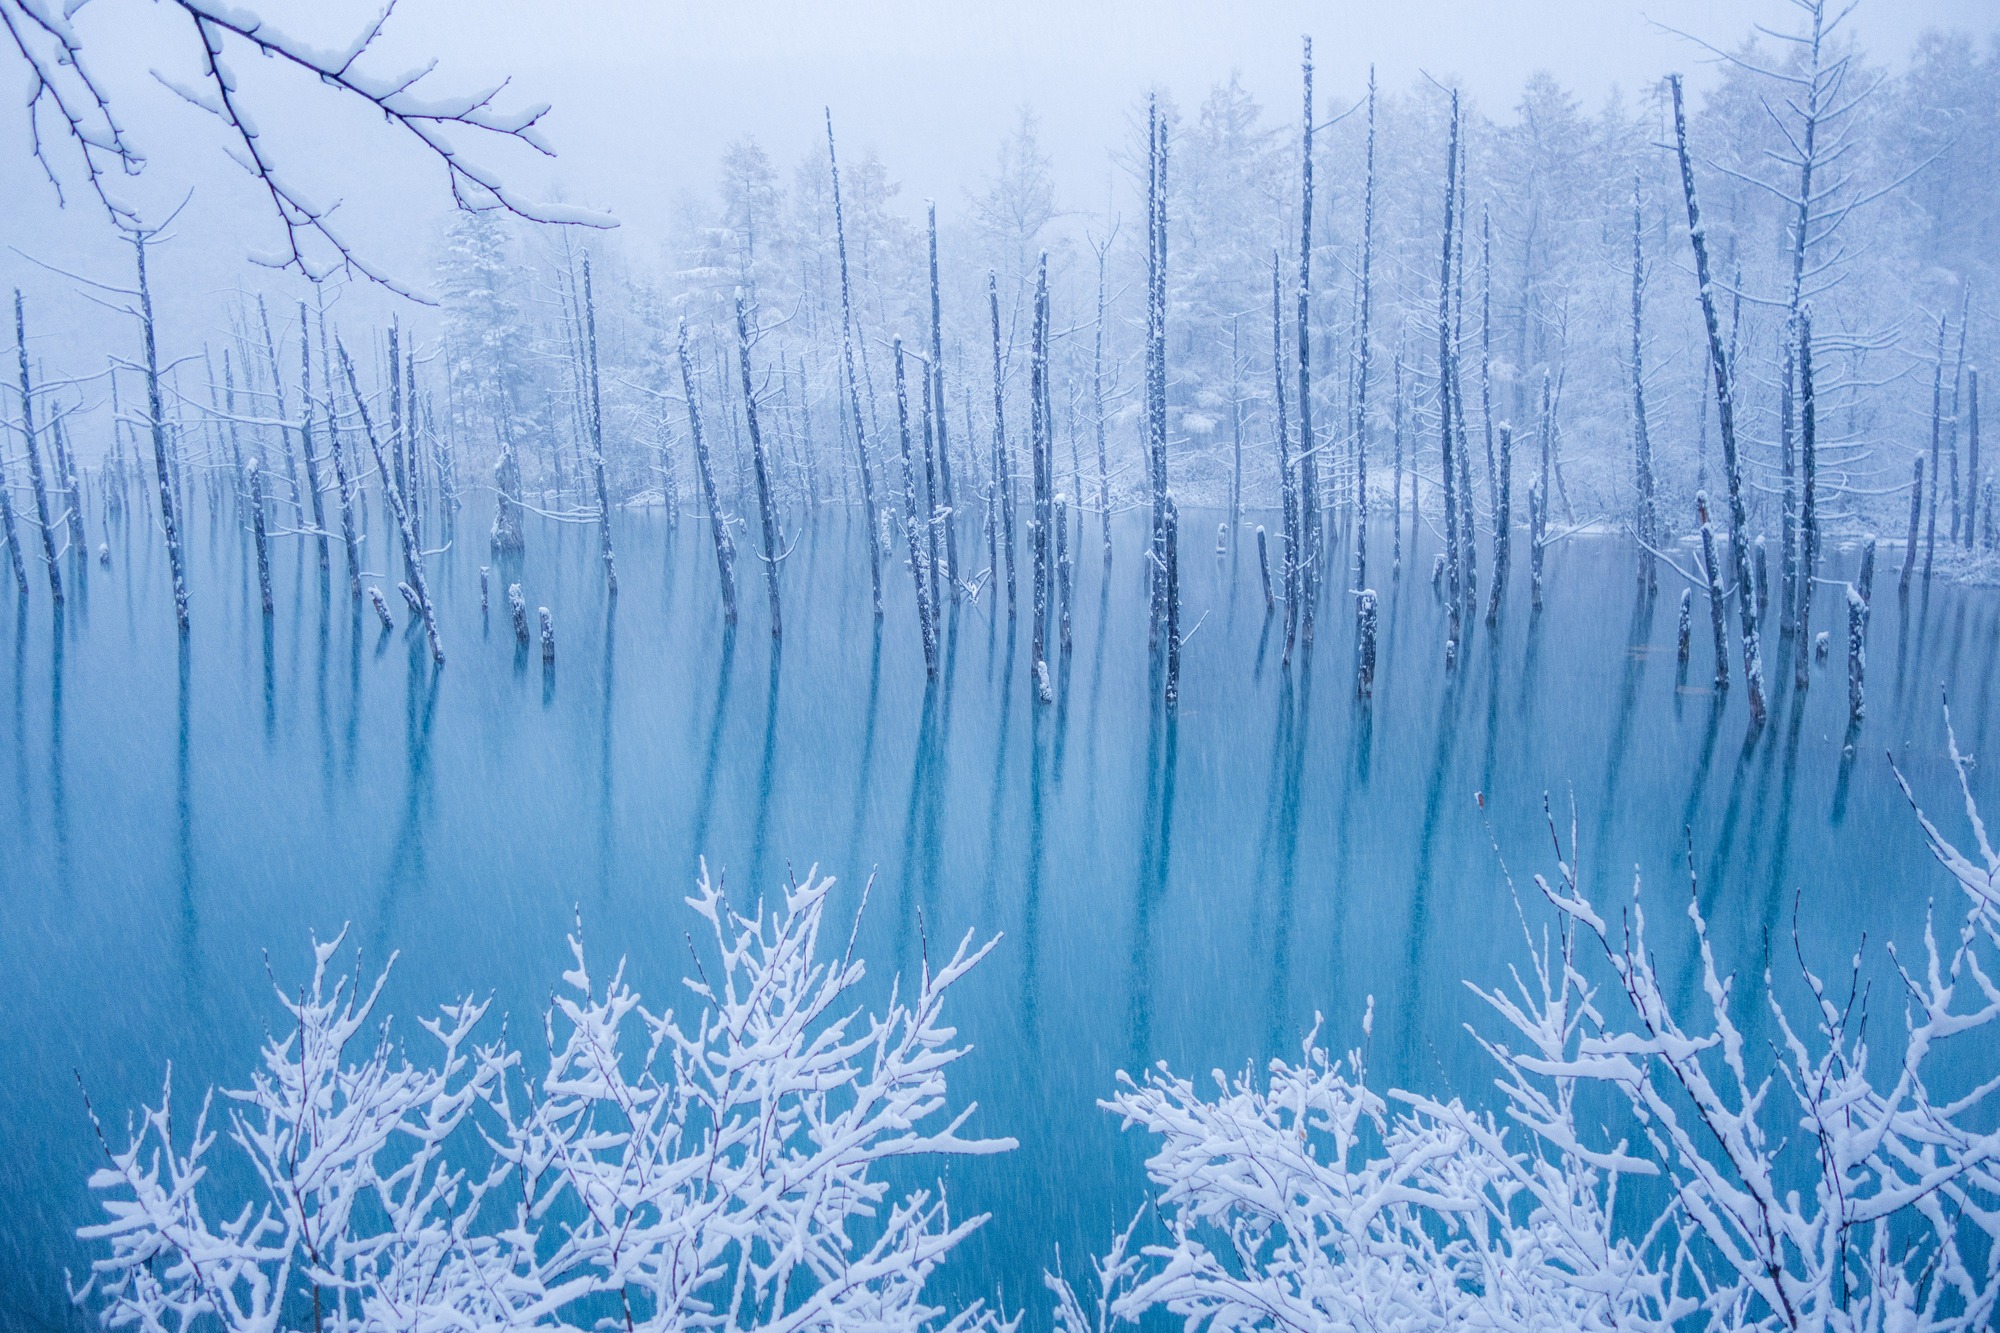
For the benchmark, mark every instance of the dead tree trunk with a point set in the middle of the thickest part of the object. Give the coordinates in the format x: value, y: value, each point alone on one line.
x: 169, y: 517
x: 1725, y: 413
x: 761, y: 463
x: 413, y: 555
x: 256, y: 477
x: 919, y: 560
x: 42, y: 520
x: 853, y: 382
x: 597, y: 435
x: 718, y: 526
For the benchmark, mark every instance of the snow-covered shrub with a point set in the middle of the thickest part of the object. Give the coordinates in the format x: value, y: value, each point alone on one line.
x: 715, y: 1170
x: 1806, y: 1185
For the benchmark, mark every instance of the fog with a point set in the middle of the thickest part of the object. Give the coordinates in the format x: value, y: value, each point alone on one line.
x: 645, y: 97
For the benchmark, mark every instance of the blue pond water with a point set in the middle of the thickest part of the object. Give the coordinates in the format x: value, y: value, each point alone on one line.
x: 1191, y: 887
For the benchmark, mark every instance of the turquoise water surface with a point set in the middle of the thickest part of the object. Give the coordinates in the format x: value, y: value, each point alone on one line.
x: 1189, y: 886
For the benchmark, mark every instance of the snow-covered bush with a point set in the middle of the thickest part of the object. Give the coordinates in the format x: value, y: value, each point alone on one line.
x: 711, y: 1171
x: 1810, y: 1184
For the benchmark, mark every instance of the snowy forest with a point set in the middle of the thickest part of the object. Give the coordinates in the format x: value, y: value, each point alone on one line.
x: 1377, y: 725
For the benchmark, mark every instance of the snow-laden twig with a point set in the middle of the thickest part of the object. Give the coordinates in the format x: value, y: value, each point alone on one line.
x: 1804, y: 1186
x: 717, y: 1170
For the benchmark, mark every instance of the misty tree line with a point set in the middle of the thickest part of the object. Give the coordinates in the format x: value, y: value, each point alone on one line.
x: 1762, y: 313
x: 1554, y: 200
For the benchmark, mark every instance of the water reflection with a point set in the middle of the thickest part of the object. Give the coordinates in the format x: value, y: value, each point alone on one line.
x: 1190, y: 885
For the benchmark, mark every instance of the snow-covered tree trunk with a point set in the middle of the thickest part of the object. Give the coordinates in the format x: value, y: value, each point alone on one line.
x: 1972, y: 483
x: 597, y: 437
x: 10, y: 531
x: 1503, y: 521
x: 1808, y: 501
x: 1646, y: 517
x: 306, y: 436
x: 935, y: 556
x: 718, y: 526
x: 1310, y: 499
x: 255, y: 474
x: 948, y: 496
x: 1712, y: 571
x: 1364, y: 672
x: 1097, y: 417
x: 1003, y: 462
x: 1396, y: 470
x: 1857, y: 652
x: 1725, y: 415
x: 43, y: 522
x: 1447, y: 427
x: 1264, y: 567
x: 847, y: 337
x: 156, y: 417
x: 1916, y: 514
x: 1038, y: 444
x: 919, y: 561
x: 413, y: 555
x: 1173, y: 607
x: 760, y: 460
x: 1937, y: 447
x: 1289, y: 497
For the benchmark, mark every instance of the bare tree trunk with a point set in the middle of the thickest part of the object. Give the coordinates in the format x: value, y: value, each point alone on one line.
x: 912, y: 539
x: 760, y: 461
x: 1717, y: 617
x: 168, y: 515
x: 1309, y: 493
x: 1937, y: 441
x: 1287, y: 491
x: 597, y: 435
x: 1972, y: 490
x: 1396, y: 474
x: 1039, y: 445
x: 1647, y: 517
x: 10, y: 531
x: 1503, y: 518
x: 853, y: 384
x: 718, y: 526
x: 1808, y: 504
x: 305, y: 436
x: 1788, y: 466
x: 35, y: 457
x: 1916, y: 514
x: 1359, y: 428
x: 256, y: 477
x: 1173, y: 587
x: 933, y: 506
x: 1857, y: 653
x: 1446, y: 412
x: 1097, y: 403
x: 1753, y: 666
x: 413, y: 555
x: 1156, y: 357
x: 947, y: 513
x: 341, y: 479
x: 1003, y: 461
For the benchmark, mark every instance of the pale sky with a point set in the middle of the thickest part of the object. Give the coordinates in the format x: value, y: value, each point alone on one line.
x: 646, y: 95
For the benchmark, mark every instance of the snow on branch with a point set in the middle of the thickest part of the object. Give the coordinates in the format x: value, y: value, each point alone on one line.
x: 443, y: 125
x: 1805, y: 1185
x: 716, y: 1170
